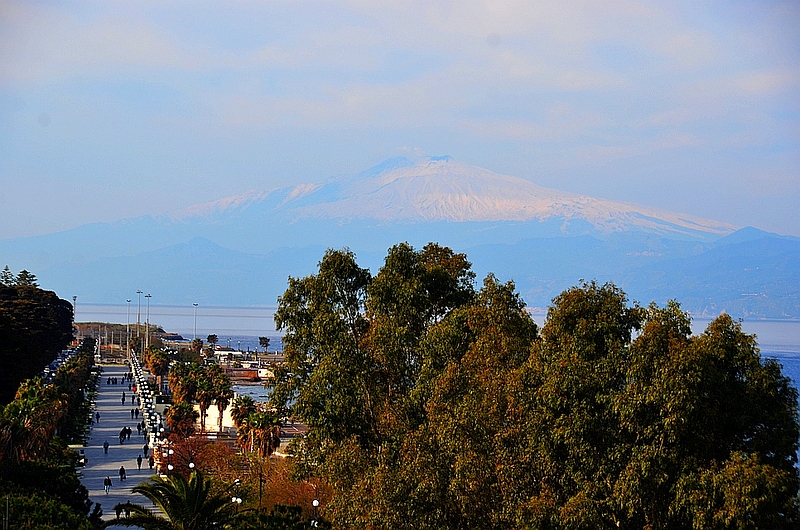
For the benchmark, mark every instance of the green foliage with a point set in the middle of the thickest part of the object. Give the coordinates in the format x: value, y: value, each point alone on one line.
x: 34, y: 326
x: 36, y: 463
x: 281, y: 517
x: 43, y: 513
x: 191, y: 504
x: 181, y: 417
x: 432, y: 406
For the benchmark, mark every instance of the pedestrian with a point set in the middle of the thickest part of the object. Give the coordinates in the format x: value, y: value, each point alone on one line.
x: 151, y: 462
x: 107, y: 484
x: 129, y: 386
x: 136, y: 413
x: 105, y: 447
x: 108, y: 381
x: 139, y: 462
x: 145, y: 449
x: 118, y: 509
x: 127, y: 509
x: 139, y: 428
x: 97, y: 416
x: 123, y: 398
x: 131, y: 413
x: 128, y: 432
x: 122, y: 473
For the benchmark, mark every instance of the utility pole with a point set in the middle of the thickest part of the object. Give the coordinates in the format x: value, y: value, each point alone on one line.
x: 195, y: 320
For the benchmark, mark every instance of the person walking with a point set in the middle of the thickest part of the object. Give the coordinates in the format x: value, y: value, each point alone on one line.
x: 145, y: 449
x: 118, y: 509
x: 107, y: 484
x: 139, y: 462
x: 151, y: 462
x: 105, y: 447
x: 123, y: 398
x: 122, y: 474
x: 97, y: 417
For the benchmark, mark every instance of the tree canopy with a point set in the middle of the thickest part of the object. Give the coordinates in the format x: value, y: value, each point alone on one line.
x: 433, y: 405
x: 35, y: 325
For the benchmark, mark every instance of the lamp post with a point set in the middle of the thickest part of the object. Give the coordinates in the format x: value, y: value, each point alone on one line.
x: 139, y: 315
x: 195, y: 320
x: 147, y: 331
x: 315, y: 522
x: 75, y: 313
x: 128, y: 328
x: 236, y: 499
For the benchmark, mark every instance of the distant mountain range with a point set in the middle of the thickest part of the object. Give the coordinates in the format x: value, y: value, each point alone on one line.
x: 239, y: 251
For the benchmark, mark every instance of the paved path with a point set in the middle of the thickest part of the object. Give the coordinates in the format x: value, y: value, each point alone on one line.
x: 113, y: 417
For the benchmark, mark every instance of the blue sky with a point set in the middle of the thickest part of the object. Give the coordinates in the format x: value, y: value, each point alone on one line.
x: 110, y: 110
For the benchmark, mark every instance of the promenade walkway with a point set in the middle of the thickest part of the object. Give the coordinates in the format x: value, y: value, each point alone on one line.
x: 114, y: 415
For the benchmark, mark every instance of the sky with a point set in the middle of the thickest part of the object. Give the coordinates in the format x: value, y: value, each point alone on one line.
x: 112, y: 110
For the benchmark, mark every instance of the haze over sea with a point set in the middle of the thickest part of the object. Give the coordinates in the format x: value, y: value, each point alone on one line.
x: 243, y: 325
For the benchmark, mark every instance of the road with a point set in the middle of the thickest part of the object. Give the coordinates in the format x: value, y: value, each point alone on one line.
x: 114, y: 415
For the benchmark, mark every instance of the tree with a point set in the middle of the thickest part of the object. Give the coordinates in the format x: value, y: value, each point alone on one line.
x: 432, y: 406
x: 181, y: 418
x: 242, y: 407
x: 35, y: 325
x: 222, y: 390
x: 26, y: 279
x: 186, y: 504
x: 264, y: 343
x: 7, y: 278
x: 205, y: 394
x: 158, y: 362
x: 182, y: 380
x: 260, y: 433
x: 213, y: 340
x: 642, y: 432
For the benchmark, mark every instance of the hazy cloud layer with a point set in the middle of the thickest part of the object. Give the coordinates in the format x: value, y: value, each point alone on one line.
x: 109, y: 109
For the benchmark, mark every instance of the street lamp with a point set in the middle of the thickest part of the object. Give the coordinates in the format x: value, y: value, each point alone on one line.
x: 128, y: 327
x: 75, y: 314
x: 147, y: 331
x: 315, y: 522
x: 139, y: 315
x: 195, y: 320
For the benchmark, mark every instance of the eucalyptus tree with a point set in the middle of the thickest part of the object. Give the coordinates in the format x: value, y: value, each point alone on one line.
x: 432, y: 406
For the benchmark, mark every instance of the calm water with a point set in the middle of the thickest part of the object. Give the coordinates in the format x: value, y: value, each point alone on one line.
x: 240, y: 327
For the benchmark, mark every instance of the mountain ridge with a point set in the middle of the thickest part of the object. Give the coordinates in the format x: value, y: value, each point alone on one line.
x: 441, y: 189
x: 241, y: 250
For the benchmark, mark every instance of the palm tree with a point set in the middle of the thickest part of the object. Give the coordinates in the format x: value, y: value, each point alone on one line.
x: 260, y: 433
x: 205, y: 395
x: 222, y: 388
x: 182, y: 381
x: 180, y: 418
x: 186, y: 505
x: 29, y: 422
x: 242, y: 407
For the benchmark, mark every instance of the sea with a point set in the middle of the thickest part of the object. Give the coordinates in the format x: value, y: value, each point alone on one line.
x: 241, y: 327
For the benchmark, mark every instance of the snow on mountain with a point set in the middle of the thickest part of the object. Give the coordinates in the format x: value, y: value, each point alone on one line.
x: 441, y: 189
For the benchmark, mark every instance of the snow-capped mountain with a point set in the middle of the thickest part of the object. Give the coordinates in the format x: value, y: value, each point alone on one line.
x: 440, y: 189
x: 240, y: 250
